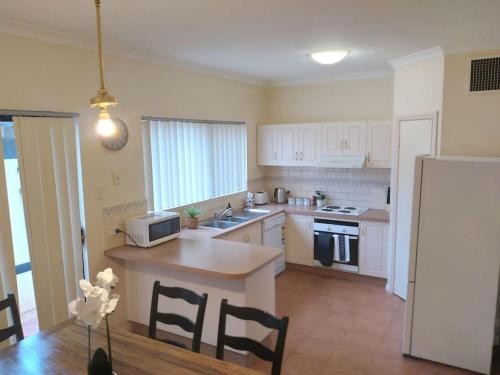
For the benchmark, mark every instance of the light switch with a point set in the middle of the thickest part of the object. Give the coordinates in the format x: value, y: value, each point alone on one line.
x: 116, y: 178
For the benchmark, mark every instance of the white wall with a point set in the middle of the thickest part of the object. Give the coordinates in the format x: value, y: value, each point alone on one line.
x: 471, y: 122
x: 37, y: 75
x: 331, y: 101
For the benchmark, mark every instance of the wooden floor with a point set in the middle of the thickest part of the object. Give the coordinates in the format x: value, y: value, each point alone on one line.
x: 343, y: 327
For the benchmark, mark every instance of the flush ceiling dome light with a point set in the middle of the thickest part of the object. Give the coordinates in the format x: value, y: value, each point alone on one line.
x: 103, y: 100
x: 329, y: 57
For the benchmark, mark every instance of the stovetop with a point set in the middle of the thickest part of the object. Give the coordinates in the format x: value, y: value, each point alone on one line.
x: 341, y: 210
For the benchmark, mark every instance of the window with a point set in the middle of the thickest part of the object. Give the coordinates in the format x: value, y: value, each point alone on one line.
x: 191, y: 161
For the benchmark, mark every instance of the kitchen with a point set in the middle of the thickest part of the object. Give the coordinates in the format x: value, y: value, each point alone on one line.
x: 272, y: 159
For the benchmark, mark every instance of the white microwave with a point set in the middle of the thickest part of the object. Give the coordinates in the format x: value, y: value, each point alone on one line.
x: 153, y: 228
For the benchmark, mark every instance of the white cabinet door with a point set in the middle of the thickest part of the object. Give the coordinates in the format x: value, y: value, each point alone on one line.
x: 288, y: 153
x: 248, y: 234
x: 379, y: 144
x: 299, y: 239
x: 308, y: 144
x: 373, y: 249
x: 354, y: 137
x: 267, y: 141
x: 332, y: 138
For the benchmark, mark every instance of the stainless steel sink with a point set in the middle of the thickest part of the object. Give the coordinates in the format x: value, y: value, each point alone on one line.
x: 219, y: 224
x: 238, y: 217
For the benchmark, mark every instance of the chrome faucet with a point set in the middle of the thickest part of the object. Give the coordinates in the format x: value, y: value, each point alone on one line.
x: 224, y: 211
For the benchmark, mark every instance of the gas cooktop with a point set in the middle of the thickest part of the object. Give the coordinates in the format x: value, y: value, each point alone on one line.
x: 341, y: 210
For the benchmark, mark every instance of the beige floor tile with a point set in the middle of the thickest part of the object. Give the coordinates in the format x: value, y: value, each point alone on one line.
x: 299, y: 364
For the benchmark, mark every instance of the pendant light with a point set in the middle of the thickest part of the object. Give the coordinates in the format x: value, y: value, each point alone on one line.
x: 103, y: 100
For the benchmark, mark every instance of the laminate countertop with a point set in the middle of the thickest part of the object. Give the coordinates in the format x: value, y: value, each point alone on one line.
x: 200, y: 251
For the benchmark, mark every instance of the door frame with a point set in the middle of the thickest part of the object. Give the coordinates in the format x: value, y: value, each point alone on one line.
x: 434, y: 117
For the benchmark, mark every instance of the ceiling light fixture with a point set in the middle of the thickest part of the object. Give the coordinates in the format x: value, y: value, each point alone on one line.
x: 103, y: 100
x: 329, y: 57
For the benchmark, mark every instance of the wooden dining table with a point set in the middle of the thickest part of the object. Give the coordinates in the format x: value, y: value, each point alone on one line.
x: 64, y: 350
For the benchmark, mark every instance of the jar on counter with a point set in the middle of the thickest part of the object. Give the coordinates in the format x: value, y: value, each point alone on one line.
x: 291, y: 201
x: 307, y: 201
x: 299, y: 201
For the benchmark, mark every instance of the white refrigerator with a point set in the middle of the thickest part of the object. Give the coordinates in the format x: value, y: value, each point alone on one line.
x: 454, y: 262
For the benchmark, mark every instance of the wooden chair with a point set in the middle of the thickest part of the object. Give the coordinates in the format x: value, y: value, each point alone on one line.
x: 17, y: 328
x: 244, y: 343
x: 175, y: 319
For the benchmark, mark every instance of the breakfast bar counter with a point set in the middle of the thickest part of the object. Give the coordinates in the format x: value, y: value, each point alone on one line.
x: 243, y: 273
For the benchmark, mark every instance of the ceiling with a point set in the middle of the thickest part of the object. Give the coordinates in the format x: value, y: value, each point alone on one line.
x: 266, y: 41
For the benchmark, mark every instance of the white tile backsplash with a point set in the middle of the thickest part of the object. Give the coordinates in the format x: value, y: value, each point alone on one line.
x: 358, y: 187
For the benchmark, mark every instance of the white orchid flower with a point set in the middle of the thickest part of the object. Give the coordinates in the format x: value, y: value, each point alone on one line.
x: 107, y: 279
x: 111, y: 304
x: 97, y: 303
x: 90, y: 311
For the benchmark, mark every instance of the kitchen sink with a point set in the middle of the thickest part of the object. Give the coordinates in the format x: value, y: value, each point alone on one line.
x: 238, y: 217
x: 219, y: 224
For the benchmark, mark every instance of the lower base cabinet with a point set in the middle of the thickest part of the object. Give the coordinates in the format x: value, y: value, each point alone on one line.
x: 250, y: 234
x: 299, y: 239
x: 373, y: 244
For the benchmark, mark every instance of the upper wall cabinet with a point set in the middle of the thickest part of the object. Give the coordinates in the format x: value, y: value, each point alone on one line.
x: 379, y: 144
x: 288, y: 139
x: 267, y: 141
x: 332, y: 138
x: 303, y: 144
x: 343, y: 138
x: 292, y: 145
x: 308, y: 144
x: 354, y: 137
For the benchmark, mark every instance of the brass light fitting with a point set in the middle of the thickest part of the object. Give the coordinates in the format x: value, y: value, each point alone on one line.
x: 103, y: 99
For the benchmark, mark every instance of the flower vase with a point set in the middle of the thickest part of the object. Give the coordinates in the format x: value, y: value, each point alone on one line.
x: 101, y: 363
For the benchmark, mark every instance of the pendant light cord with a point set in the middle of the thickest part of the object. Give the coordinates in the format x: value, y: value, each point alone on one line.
x: 99, y: 42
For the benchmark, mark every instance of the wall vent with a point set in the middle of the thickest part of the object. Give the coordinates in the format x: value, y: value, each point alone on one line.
x: 484, y: 75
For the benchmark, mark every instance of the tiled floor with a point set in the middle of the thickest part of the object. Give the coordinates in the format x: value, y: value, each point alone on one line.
x: 343, y: 327
x: 27, y: 305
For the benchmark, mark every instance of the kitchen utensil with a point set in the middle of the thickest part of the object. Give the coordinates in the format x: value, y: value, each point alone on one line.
x: 261, y: 197
x: 280, y: 195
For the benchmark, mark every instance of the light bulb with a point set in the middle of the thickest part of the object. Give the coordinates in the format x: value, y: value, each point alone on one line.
x: 105, y: 126
x: 329, y: 57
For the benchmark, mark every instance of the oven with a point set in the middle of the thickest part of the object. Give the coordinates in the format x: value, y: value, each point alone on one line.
x: 336, y: 244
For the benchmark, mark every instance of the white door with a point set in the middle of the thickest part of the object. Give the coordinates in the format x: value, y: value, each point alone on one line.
x: 332, y: 138
x: 267, y: 141
x: 308, y: 141
x: 354, y: 137
x: 379, y: 144
x: 48, y: 168
x: 287, y: 145
x: 299, y: 239
x: 416, y: 137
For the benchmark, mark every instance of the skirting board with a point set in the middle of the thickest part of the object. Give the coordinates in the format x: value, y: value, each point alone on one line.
x: 337, y: 274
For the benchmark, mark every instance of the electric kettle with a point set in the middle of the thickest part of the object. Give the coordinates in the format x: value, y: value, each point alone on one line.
x: 280, y: 195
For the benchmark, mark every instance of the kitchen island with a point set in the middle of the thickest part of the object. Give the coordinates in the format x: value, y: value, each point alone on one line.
x: 241, y: 272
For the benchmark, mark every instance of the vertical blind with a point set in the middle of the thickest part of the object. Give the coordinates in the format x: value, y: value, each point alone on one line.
x: 195, y: 161
x: 48, y: 165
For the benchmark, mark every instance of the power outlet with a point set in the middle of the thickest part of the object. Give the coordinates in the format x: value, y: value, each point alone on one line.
x: 116, y: 178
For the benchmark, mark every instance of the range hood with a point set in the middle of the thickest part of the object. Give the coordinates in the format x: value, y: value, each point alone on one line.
x: 341, y: 161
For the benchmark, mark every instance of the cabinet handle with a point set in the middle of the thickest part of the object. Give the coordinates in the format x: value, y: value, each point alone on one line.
x: 296, y: 156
